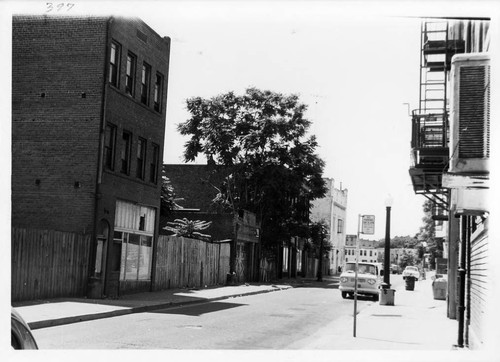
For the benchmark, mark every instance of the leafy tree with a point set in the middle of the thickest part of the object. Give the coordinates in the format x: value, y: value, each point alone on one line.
x: 400, y: 242
x: 318, y: 232
x: 318, y: 235
x: 427, y: 234
x: 407, y: 259
x: 189, y: 228
x: 259, y: 143
x: 167, y: 198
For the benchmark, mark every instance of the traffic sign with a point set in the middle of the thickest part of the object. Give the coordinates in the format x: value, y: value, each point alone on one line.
x: 368, y: 224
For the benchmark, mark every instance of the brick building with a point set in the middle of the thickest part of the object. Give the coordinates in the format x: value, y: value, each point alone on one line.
x: 88, y: 122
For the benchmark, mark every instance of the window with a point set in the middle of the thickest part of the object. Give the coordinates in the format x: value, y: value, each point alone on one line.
x: 125, y: 156
x: 136, y: 255
x: 114, y: 64
x: 109, y: 146
x: 153, y: 168
x: 141, y: 155
x: 340, y: 226
x: 157, y: 93
x: 145, y: 79
x: 130, y: 76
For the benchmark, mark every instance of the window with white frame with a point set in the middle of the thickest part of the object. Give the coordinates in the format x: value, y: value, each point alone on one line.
x: 134, y: 230
x: 130, y: 74
x: 114, y: 63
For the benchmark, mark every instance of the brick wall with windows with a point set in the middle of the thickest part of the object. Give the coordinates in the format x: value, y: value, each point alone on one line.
x: 144, y: 125
x: 63, y: 71
x: 57, y: 85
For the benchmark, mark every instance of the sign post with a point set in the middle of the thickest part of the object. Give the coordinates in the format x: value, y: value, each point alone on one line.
x: 367, y: 227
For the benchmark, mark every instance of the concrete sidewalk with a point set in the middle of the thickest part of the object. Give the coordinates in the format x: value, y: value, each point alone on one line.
x: 416, y: 321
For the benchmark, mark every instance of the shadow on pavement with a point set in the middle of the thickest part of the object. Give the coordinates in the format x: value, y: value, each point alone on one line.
x: 199, y: 309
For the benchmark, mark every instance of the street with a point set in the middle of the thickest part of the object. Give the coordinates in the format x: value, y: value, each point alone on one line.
x: 279, y: 320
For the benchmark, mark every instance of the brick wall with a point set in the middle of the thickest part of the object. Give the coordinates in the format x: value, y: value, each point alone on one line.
x: 127, y: 113
x: 57, y: 78
x: 59, y: 84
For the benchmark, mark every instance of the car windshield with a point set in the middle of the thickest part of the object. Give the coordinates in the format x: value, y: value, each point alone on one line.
x: 411, y: 268
x: 362, y: 268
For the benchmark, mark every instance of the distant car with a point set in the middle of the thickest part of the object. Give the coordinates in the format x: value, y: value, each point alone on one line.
x: 411, y: 271
x: 394, y: 269
x: 21, y: 336
x: 369, y: 280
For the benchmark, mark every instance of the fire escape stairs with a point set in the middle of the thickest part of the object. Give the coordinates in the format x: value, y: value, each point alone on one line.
x: 430, y: 129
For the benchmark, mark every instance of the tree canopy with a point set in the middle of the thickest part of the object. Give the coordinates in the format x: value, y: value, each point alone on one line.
x: 259, y: 141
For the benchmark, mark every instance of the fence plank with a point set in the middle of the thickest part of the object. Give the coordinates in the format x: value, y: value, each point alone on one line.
x: 48, y: 264
x: 185, y: 262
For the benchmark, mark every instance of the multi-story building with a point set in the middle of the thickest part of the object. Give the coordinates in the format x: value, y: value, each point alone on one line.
x: 450, y: 162
x: 332, y: 209
x: 88, y: 122
x: 368, y: 251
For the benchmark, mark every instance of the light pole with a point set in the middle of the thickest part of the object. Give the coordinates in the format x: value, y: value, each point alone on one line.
x: 387, y: 249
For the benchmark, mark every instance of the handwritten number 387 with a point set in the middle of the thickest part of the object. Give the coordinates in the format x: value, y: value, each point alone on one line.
x: 59, y: 7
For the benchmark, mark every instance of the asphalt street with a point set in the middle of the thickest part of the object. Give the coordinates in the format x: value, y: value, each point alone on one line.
x: 281, y: 320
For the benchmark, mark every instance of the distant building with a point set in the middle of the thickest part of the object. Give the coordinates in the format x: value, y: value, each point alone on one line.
x: 332, y: 209
x: 89, y: 99
x: 367, y: 250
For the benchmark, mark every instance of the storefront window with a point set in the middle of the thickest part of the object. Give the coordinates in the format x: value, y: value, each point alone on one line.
x: 136, y: 257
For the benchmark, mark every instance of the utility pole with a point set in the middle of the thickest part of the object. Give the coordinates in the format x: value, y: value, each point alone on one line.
x: 320, y: 264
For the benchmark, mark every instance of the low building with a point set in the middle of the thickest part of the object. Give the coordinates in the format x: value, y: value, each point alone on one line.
x: 367, y: 250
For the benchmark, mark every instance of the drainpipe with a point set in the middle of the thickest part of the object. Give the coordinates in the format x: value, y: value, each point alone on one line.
x: 461, y: 273
x: 98, y: 191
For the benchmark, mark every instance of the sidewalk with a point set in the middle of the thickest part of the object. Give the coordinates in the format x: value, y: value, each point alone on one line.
x: 417, y: 321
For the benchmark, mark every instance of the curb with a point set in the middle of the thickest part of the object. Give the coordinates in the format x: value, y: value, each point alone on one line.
x: 141, y: 309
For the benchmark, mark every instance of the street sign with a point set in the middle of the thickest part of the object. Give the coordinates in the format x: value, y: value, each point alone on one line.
x: 368, y: 224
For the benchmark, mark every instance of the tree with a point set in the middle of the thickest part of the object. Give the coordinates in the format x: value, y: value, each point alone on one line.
x: 259, y: 143
x: 427, y: 234
x: 167, y: 197
x: 400, y: 242
x: 321, y: 246
x: 189, y: 228
x: 407, y: 259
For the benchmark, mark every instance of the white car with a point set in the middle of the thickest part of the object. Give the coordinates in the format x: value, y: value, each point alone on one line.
x: 369, y: 280
x: 411, y: 271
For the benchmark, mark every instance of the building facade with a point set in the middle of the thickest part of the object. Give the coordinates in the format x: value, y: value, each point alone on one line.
x: 368, y: 251
x: 450, y: 163
x: 88, y: 122
x: 332, y: 209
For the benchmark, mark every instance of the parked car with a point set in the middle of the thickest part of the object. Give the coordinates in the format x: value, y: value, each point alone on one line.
x: 395, y: 269
x: 21, y: 336
x: 411, y: 271
x: 369, y: 279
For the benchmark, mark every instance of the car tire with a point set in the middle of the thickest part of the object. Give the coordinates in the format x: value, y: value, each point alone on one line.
x: 375, y: 297
x: 344, y: 295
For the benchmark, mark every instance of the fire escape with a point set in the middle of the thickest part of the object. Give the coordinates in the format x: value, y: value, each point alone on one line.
x: 430, y: 128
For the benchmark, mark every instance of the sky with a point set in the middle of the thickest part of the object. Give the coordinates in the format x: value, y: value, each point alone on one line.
x: 354, y: 64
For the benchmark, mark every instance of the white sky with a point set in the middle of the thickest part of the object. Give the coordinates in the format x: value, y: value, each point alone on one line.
x: 353, y: 63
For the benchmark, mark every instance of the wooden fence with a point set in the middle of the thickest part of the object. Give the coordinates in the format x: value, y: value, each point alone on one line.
x: 48, y: 264
x: 183, y: 262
